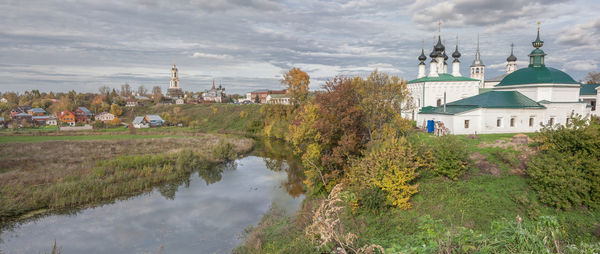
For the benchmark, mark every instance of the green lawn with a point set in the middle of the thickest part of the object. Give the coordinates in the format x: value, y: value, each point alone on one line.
x: 8, y: 139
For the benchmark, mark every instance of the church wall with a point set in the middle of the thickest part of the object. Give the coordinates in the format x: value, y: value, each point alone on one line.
x: 454, y: 91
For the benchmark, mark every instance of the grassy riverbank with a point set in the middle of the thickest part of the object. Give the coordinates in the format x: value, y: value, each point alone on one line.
x: 491, y: 207
x: 52, y: 175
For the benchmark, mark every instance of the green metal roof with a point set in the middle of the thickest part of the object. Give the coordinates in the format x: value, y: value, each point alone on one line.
x: 536, y: 75
x: 588, y: 89
x: 491, y: 99
x: 442, y: 77
x: 276, y: 96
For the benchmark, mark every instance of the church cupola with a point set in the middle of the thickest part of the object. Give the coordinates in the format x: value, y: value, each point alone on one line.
x: 511, y: 61
x: 456, y: 63
x: 422, y: 59
x: 536, y: 57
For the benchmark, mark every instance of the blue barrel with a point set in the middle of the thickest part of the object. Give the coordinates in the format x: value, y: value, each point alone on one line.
x: 430, y: 126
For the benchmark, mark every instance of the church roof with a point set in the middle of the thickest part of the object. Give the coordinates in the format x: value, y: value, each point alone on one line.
x: 588, y: 89
x: 492, y: 99
x: 442, y: 77
x: 537, y: 75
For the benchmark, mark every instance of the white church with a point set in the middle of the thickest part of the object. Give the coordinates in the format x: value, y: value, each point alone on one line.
x: 519, y: 101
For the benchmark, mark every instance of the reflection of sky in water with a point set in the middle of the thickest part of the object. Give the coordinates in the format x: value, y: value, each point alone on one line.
x: 201, y: 218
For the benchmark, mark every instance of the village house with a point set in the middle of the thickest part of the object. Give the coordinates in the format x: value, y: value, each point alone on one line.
x: 140, y: 122
x: 132, y: 103
x: 67, y: 117
x: 154, y: 120
x: 105, y: 117
x: 18, y: 110
x: 22, y: 119
x: 179, y: 101
x: 83, y: 115
x: 36, y: 112
x: 43, y: 120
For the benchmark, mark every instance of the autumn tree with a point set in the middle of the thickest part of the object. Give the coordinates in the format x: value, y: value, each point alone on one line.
x: 142, y: 90
x: 125, y: 90
x: 157, y: 94
x: 116, y: 110
x: 104, y: 90
x: 297, y: 82
x: 328, y: 133
x: 592, y: 78
x: 380, y: 99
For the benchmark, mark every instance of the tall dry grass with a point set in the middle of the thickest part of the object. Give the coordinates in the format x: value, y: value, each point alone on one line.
x: 60, y: 174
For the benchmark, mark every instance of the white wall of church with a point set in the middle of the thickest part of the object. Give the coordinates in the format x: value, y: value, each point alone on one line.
x: 434, y: 91
x: 502, y: 120
x: 547, y: 92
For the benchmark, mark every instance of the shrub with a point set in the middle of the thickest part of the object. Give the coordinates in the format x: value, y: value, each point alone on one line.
x: 224, y: 151
x: 450, y: 157
x: 388, y: 169
x: 566, y: 171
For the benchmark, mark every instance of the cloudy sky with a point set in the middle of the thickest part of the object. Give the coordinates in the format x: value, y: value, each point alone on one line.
x: 247, y: 44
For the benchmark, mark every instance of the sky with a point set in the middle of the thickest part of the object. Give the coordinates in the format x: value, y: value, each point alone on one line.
x: 62, y: 45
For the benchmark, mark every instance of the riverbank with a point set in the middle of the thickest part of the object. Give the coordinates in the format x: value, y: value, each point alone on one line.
x: 491, y: 207
x: 51, y: 175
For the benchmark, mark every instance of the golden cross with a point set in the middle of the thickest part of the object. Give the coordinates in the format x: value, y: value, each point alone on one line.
x: 439, y: 27
x: 539, y: 25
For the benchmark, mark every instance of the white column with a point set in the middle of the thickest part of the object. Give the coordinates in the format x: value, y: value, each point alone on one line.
x: 421, y: 70
x: 456, y: 69
x: 433, y: 72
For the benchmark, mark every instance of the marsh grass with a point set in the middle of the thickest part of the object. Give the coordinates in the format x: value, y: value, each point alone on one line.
x: 62, y: 174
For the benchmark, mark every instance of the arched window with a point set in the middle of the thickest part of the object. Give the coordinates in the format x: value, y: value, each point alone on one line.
x: 439, y: 102
x: 476, y: 70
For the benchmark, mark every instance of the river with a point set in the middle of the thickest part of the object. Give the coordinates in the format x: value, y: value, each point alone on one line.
x: 203, y: 214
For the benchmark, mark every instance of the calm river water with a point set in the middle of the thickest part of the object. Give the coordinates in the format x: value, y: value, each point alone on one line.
x: 205, y: 214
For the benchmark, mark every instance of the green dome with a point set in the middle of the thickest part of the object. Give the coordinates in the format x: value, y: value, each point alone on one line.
x: 537, y: 75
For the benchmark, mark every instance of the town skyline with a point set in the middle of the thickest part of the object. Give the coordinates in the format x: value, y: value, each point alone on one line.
x: 53, y: 46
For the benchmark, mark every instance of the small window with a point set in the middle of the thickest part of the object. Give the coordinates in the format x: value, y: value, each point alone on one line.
x: 568, y: 120
x: 499, y: 122
x: 593, y: 104
x: 466, y: 124
x: 476, y: 70
x: 512, y: 122
x: 531, y: 120
x: 551, y: 121
x: 439, y: 102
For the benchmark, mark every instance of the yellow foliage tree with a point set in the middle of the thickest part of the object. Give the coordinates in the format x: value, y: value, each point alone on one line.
x: 116, y: 110
x: 390, y: 166
x: 115, y: 121
x: 297, y: 82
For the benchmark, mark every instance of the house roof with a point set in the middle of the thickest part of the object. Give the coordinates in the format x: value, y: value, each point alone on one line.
x: 22, y: 114
x: 537, y: 75
x: 37, y: 110
x: 85, y: 110
x: 443, y: 77
x: 138, y: 120
x: 40, y: 117
x: 491, y: 99
x: 588, y: 89
x: 154, y: 118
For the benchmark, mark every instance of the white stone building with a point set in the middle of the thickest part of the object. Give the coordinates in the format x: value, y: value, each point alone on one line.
x: 438, y: 87
x: 521, y: 102
x: 105, y: 117
x: 214, y: 94
x: 174, y: 90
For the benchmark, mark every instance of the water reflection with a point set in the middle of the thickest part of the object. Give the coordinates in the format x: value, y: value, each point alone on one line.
x: 279, y: 157
x: 202, y: 214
